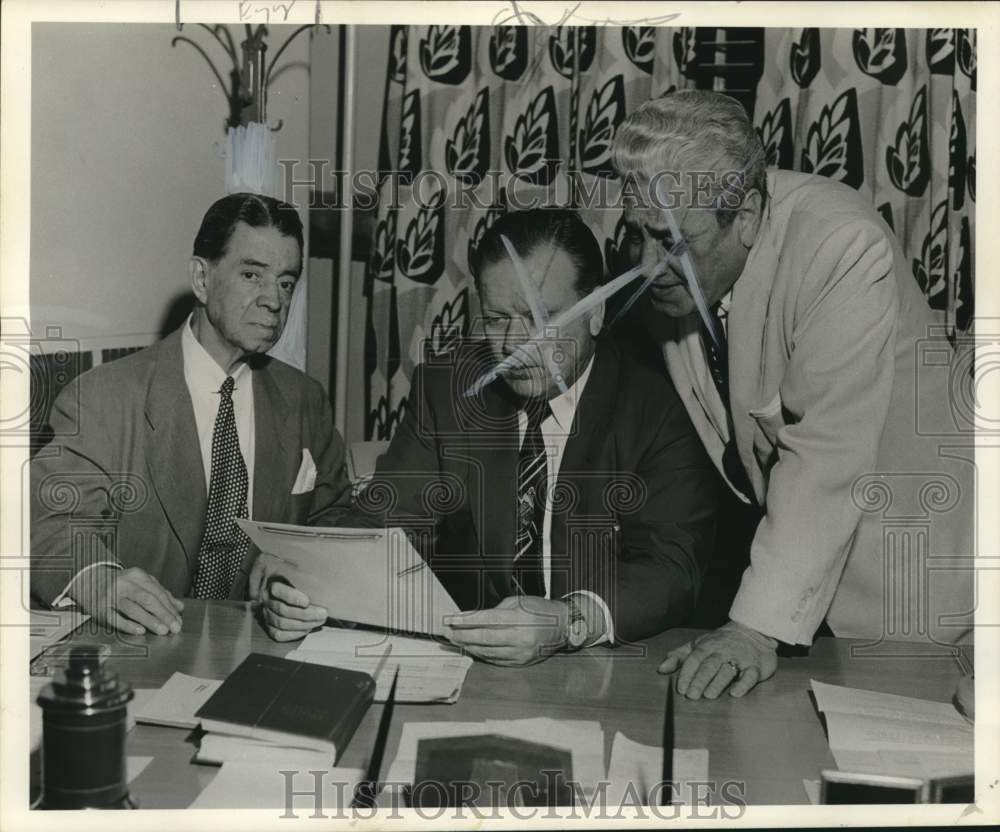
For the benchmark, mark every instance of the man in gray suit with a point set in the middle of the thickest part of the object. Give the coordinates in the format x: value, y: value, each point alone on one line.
x: 790, y: 324
x: 135, y: 502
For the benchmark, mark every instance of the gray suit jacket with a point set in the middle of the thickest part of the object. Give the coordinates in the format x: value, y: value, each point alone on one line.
x: 123, y: 477
x: 841, y: 398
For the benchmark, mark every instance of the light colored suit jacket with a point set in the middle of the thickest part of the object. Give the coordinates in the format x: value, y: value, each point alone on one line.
x: 840, y: 380
x: 123, y: 478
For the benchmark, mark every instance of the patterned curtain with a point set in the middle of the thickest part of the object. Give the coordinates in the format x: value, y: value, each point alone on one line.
x: 479, y: 120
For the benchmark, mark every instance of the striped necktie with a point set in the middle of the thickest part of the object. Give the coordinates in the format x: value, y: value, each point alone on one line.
x: 224, y: 545
x: 532, y: 472
x: 717, y: 355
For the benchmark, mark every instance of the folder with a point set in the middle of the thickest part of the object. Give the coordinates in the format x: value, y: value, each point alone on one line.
x: 369, y: 576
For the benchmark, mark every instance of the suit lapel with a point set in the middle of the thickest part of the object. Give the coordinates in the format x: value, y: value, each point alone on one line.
x: 747, y: 338
x: 687, y: 341
x: 172, y: 451
x: 584, y: 454
x: 275, y: 460
x: 594, y: 410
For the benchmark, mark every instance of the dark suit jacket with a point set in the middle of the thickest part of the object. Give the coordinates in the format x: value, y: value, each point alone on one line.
x: 633, y: 510
x: 123, y: 477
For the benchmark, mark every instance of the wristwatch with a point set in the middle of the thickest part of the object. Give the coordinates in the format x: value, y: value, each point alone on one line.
x: 577, y: 630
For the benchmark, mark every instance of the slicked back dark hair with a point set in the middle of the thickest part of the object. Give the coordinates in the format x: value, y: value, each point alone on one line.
x: 561, y: 228
x: 255, y: 210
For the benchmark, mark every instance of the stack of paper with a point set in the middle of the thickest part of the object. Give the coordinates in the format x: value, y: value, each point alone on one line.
x: 428, y: 671
x: 51, y: 626
x: 640, y: 767
x: 174, y: 704
x: 216, y: 749
x: 881, y: 733
x: 583, y: 740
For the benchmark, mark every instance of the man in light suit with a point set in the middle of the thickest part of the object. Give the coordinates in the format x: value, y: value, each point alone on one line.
x: 157, y: 454
x: 801, y: 375
x: 612, y: 542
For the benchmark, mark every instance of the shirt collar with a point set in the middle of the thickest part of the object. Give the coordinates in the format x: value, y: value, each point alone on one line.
x: 564, y: 405
x: 202, y: 369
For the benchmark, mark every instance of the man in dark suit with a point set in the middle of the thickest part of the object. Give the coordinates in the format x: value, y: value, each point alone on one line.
x: 157, y: 454
x: 566, y: 502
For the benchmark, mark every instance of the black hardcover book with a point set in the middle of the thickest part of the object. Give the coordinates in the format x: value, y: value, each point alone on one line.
x: 290, y: 703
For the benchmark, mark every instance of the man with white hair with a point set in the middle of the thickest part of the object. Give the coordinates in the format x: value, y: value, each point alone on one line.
x: 789, y: 323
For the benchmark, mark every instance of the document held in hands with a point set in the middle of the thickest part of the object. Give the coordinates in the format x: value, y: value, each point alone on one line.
x: 371, y: 576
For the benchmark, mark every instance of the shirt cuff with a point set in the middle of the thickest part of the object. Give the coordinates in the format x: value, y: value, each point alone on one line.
x: 608, y: 635
x: 63, y: 600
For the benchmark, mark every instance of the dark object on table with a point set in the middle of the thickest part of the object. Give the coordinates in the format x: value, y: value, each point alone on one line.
x: 290, y: 703
x: 667, y: 775
x: 368, y: 789
x: 848, y: 788
x: 83, y: 734
x: 490, y: 770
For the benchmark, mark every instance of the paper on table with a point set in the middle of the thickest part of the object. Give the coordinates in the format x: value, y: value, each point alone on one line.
x: 134, y: 766
x: 51, y: 626
x: 812, y: 790
x: 217, y: 749
x: 428, y: 671
x: 872, y: 703
x: 642, y: 767
x: 877, y: 733
x: 371, y: 576
x: 246, y: 785
x: 175, y: 704
x: 922, y: 765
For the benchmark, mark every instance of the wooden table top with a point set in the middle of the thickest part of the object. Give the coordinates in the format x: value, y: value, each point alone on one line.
x: 770, y: 740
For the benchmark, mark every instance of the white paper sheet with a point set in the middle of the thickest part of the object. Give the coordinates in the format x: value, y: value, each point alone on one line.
x: 839, y: 699
x: 642, y: 767
x: 428, y: 671
x: 880, y: 733
x: 51, y: 626
x: 371, y: 576
x: 176, y: 703
x: 216, y: 749
x: 241, y: 785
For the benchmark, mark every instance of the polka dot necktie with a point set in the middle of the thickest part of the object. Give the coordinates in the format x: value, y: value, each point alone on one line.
x: 224, y: 545
x: 532, y: 469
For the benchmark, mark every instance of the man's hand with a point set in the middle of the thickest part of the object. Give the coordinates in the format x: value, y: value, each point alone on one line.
x: 521, y: 629
x: 130, y: 600
x: 711, y: 662
x: 285, y: 611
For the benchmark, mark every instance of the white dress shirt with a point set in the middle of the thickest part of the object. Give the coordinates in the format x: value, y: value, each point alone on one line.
x: 555, y: 433
x: 204, y: 378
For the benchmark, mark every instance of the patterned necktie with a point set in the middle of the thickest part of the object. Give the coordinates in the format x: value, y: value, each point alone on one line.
x: 532, y: 471
x: 717, y: 354
x: 716, y: 351
x: 224, y: 545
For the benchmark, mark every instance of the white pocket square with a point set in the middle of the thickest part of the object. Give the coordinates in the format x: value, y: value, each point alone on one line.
x: 305, y: 480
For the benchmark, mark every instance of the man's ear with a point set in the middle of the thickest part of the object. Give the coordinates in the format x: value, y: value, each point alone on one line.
x: 748, y: 218
x: 597, y: 319
x: 198, y: 268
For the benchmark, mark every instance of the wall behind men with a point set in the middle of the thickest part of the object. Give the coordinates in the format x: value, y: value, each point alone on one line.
x: 123, y: 167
